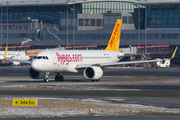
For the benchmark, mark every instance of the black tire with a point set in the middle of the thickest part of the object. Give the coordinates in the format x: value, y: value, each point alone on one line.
x: 93, y: 80
x: 56, y: 78
x: 61, y: 78
x: 98, y: 80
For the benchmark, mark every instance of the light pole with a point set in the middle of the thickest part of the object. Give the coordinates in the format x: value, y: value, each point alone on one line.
x: 138, y: 26
x: 67, y: 26
x: 1, y: 23
x: 145, y: 26
x: 73, y: 27
x: 7, y: 23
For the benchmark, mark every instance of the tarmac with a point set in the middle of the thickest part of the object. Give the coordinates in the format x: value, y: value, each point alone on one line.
x: 154, y: 87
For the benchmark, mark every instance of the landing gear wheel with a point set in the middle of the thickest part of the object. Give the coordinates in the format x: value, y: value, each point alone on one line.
x: 45, y: 79
x: 98, y: 80
x: 95, y: 80
x: 61, y: 78
x: 56, y: 78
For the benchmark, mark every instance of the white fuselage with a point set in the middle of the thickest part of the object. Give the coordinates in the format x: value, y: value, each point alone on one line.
x: 67, y: 60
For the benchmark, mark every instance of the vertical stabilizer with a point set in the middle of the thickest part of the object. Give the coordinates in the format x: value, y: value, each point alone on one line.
x: 173, y: 55
x: 114, y: 41
x: 5, y: 54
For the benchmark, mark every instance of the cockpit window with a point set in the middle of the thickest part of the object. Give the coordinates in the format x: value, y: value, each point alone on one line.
x: 39, y: 57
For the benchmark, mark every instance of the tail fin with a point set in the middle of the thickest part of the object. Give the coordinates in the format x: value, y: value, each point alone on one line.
x: 174, y: 52
x: 113, y: 44
x: 5, y: 54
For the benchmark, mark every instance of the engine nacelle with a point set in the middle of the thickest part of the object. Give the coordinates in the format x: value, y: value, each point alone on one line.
x: 93, y: 73
x: 35, y: 74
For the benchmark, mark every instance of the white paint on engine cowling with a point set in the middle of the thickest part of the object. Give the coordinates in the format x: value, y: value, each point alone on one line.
x: 93, y: 73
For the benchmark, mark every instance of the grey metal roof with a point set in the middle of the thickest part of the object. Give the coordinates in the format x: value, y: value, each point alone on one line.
x: 55, y: 2
x: 158, y: 2
x: 65, y: 2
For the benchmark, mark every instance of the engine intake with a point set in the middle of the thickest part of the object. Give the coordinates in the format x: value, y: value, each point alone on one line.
x: 93, y: 73
x: 35, y: 74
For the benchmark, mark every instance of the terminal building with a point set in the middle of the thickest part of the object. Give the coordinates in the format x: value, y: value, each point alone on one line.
x: 90, y: 22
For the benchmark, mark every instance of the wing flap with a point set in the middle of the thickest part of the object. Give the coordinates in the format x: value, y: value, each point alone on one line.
x: 116, y: 63
x: 128, y: 62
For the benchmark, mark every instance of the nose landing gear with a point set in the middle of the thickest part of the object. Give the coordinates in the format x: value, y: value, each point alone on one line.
x: 45, y: 79
x: 59, y: 77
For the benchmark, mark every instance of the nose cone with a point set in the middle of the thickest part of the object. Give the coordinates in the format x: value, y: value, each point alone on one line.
x: 36, y: 65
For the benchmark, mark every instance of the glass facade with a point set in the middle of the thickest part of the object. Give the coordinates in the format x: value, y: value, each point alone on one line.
x: 105, y: 7
x: 49, y: 14
x: 52, y: 14
x: 111, y: 18
x: 20, y: 26
x: 163, y: 16
x: 55, y: 21
x: 126, y: 35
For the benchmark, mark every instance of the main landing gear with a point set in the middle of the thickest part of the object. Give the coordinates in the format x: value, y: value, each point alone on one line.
x: 95, y: 80
x: 59, y: 77
x: 45, y: 79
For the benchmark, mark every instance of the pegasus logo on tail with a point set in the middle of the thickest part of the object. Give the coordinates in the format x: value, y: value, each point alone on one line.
x: 114, y: 35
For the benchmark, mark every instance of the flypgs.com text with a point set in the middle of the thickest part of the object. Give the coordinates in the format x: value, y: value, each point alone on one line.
x: 67, y: 58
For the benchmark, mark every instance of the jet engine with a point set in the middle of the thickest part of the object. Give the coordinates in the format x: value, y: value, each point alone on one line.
x: 35, y: 74
x: 93, y: 73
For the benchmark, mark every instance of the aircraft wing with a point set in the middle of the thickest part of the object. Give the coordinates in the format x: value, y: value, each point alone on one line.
x: 17, y: 60
x: 116, y: 63
x: 123, y: 63
x: 127, y: 62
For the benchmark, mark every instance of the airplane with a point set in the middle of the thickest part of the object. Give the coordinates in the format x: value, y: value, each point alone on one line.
x: 14, y: 55
x: 90, y: 62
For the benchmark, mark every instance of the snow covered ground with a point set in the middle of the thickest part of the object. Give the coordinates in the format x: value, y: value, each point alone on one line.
x: 58, y: 107
x: 60, y: 87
